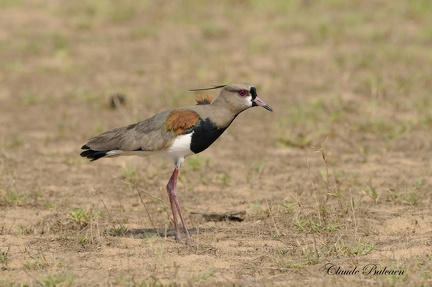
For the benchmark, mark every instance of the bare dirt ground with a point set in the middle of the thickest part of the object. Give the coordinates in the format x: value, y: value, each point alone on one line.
x: 336, y: 183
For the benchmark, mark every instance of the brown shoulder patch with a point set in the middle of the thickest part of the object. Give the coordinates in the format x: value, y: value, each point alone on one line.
x: 203, y: 100
x: 180, y: 120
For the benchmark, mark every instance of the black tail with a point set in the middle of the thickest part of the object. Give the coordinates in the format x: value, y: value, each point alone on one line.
x: 92, y: 154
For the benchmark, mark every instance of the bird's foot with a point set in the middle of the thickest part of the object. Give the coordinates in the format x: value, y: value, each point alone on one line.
x: 178, y: 238
x: 188, y: 241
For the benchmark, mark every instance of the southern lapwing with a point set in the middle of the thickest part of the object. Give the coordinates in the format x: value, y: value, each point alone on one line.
x: 176, y: 134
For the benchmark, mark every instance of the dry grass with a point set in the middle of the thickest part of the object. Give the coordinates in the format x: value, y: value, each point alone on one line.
x: 340, y: 173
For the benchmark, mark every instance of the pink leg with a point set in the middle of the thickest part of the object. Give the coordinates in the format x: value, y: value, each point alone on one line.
x: 175, y: 206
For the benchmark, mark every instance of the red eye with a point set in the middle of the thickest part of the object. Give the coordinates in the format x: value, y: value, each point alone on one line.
x: 242, y: 93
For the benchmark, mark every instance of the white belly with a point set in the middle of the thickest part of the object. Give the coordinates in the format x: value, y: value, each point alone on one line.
x: 180, y: 147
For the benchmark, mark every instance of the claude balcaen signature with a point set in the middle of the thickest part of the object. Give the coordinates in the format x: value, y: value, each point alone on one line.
x: 368, y: 269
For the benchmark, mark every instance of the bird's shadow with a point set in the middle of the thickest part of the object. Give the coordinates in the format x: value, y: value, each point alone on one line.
x: 144, y: 233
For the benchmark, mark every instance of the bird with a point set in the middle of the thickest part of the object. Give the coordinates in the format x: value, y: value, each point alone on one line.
x: 176, y: 134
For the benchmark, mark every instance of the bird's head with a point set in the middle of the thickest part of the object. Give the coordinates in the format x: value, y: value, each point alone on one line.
x: 238, y: 97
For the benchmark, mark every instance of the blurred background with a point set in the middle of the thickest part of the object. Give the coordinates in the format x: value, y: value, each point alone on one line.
x: 322, y: 64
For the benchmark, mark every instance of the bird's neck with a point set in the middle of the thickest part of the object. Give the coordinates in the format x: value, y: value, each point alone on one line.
x: 221, y: 115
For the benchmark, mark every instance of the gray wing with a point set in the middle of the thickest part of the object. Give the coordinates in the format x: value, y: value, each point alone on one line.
x: 148, y: 135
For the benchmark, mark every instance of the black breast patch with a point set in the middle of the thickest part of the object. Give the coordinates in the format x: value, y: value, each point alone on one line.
x: 205, y: 133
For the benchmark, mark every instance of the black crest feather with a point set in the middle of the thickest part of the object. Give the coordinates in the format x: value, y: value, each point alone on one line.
x: 205, y: 89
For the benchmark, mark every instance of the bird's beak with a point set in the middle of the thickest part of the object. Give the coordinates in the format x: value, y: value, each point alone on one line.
x: 258, y: 102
